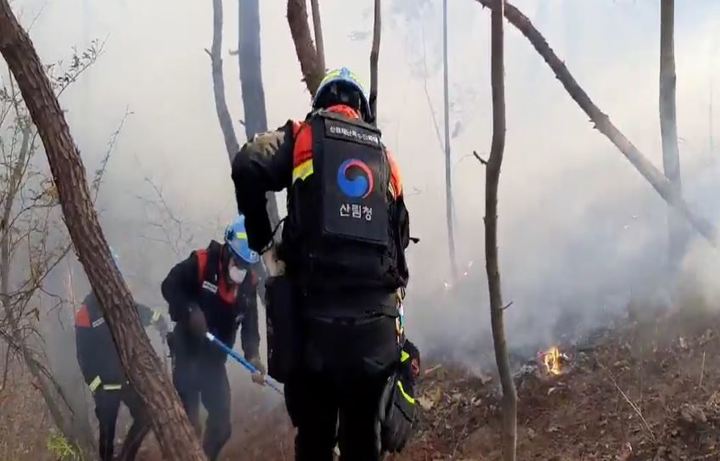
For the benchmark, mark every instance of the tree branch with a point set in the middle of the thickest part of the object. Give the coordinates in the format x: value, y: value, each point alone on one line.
x: 603, y: 124
x: 480, y: 159
x: 173, y: 236
x: 100, y: 172
x: 80, y: 63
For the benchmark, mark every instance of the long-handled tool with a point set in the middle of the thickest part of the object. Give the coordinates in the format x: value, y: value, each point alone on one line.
x: 239, y: 358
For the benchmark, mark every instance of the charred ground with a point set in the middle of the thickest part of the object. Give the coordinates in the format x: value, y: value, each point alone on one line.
x: 645, y: 389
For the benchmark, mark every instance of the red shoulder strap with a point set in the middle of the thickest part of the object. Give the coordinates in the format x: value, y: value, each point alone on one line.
x: 302, y: 149
x: 396, y: 187
x: 82, y: 317
x: 202, y: 259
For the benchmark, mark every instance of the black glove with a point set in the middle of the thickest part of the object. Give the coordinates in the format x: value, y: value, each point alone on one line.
x: 197, y: 322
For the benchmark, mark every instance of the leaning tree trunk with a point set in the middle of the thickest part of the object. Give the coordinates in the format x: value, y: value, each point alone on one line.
x: 226, y: 123
x: 448, y: 164
x: 310, y: 61
x: 492, y: 179
x: 374, y: 57
x: 169, y: 421
x: 603, y: 124
x: 668, y: 128
x: 253, y: 92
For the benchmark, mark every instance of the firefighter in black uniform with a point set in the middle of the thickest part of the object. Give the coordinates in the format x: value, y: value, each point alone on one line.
x: 343, y: 246
x: 101, y: 368
x: 214, y: 290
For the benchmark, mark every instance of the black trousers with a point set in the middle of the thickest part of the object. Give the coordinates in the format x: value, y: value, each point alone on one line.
x: 107, y: 405
x: 204, y: 379
x: 334, y: 397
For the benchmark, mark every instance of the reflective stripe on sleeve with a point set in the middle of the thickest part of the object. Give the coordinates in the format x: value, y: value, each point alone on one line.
x: 95, y: 383
x: 302, y: 171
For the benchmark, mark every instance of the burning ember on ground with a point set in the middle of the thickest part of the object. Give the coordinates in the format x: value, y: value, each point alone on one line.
x: 554, y: 361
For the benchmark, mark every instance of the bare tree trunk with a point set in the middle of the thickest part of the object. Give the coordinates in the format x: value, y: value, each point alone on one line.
x: 668, y: 128
x: 251, y: 82
x: 310, y: 64
x: 374, y: 57
x: 169, y: 421
x: 317, y: 28
x: 492, y: 179
x: 448, y: 163
x: 603, y: 124
x: 226, y: 123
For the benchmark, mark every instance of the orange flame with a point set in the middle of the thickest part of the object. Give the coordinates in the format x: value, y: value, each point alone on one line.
x: 552, y: 360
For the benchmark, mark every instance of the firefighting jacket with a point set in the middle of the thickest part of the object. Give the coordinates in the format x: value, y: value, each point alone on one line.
x: 200, y: 281
x: 347, y: 226
x: 96, y: 352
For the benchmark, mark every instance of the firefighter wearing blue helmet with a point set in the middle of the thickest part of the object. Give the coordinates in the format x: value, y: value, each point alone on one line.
x: 213, y: 290
x: 236, y: 238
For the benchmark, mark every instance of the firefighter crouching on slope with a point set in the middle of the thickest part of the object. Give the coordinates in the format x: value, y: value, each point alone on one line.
x: 343, y: 248
x: 214, y: 290
x: 100, y: 365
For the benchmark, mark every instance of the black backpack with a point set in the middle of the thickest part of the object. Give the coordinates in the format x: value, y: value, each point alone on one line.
x: 398, y: 410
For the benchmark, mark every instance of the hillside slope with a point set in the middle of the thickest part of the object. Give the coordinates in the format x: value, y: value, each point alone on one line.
x: 644, y: 390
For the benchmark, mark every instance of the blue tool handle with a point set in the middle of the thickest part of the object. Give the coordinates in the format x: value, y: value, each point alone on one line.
x: 241, y: 360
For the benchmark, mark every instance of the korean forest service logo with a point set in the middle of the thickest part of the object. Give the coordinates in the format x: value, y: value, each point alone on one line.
x: 355, y: 179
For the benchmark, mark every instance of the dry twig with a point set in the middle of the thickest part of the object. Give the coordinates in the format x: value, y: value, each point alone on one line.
x: 632, y: 404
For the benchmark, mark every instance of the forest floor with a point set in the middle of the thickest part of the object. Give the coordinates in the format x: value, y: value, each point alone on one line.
x: 645, y: 389
x: 25, y: 423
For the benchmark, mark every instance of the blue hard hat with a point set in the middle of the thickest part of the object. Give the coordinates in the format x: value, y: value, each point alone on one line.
x: 236, y: 239
x: 343, y: 77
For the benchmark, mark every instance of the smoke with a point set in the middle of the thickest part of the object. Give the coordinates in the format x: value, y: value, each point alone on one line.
x: 581, y: 234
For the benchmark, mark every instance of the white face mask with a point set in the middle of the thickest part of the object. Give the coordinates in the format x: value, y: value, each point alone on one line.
x: 236, y: 274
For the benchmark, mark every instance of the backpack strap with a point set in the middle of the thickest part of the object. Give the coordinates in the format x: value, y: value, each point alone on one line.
x: 209, y: 263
